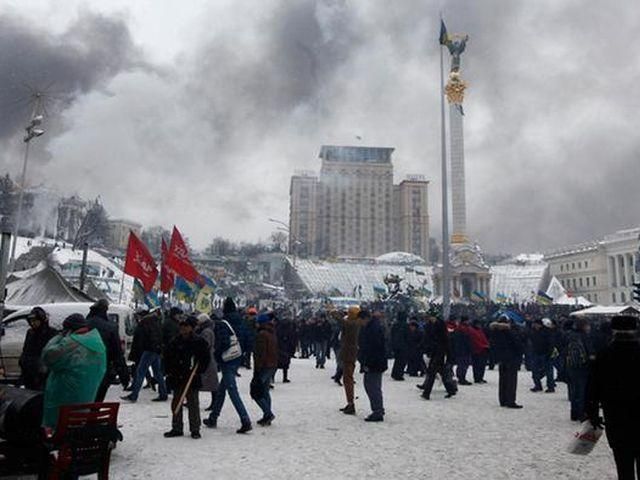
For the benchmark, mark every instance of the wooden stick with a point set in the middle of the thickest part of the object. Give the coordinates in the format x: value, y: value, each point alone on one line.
x: 186, y: 389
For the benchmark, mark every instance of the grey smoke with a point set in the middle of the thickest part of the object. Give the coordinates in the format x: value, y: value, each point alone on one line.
x: 552, y: 152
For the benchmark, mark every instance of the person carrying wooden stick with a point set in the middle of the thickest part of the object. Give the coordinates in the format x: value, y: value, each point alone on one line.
x: 186, y: 358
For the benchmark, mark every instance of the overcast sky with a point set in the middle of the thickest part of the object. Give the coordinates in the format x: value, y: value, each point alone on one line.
x: 198, y: 115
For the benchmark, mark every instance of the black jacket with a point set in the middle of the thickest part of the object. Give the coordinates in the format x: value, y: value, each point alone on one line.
x: 507, y: 344
x: 108, y: 330
x: 33, y: 373
x: 147, y: 337
x: 181, y: 356
x: 371, y: 342
x: 461, y: 344
x: 400, y: 336
x: 614, y: 385
x: 542, y: 342
x: 436, y: 341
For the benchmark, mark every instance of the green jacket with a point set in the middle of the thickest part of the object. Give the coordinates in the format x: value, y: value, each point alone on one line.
x: 77, y: 364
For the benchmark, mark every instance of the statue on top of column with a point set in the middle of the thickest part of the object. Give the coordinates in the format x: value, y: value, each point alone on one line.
x: 456, y: 45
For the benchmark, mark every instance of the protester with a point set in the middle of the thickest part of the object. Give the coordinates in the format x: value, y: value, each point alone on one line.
x: 542, y: 348
x: 249, y: 320
x: 479, y: 351
x: 613, y: 385
x: 77, y: 362
x: 209, y: 378
x: 187, y: 358
x: 399, y: 345
x: 321, y: 334
x: 437, y: 347
x: 509, y: 348
x: 230, y: 338
x: 415, y: 363
x: 287, y: 343
x: 373, y: 361
x: 265, y: 361
x: 34, y: 373
x: 116, y: 364
x: 350, y: 332
x: 579, y: 355
x: 462, y: 349
x: 147, y: 339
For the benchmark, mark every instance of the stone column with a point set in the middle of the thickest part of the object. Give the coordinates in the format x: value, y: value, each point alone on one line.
x: 458, y: 196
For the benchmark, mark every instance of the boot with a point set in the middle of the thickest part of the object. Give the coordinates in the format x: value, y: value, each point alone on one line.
x: 210, y: 422
x: 285, y: 376
x: 374, y: 418
x: 172, y: 434
x: 350, y: 409
x: 266, y: 420
x: 246, y: 427
x: 196, y: 435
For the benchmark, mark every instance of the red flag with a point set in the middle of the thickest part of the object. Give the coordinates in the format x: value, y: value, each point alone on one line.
x: 139, y: 263
x: 167, y: 277
x: 178, y: 258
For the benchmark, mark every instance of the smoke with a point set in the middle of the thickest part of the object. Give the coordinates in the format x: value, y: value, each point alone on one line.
x: 209, y: 139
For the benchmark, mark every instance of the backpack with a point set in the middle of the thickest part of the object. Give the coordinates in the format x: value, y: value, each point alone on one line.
x: 576, y: 353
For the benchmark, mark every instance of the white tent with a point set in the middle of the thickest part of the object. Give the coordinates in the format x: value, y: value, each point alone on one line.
x: 555, y: 289
x: 607, y: 311
x: 567, y: 300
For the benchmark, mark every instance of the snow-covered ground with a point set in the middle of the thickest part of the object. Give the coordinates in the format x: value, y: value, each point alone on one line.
x: 468, y: 437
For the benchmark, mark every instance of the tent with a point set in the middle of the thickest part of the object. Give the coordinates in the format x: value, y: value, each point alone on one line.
x: 577, y: 301
x: 43, y: 285
x: 607, y: 311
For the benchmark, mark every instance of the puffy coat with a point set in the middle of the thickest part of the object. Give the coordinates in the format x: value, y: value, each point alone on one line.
x: 77, y: 363
x: 507, y: 343
x: 265, y: 354
x: 371, y: 343
x: 287, y: 343
x: 479, y: 341
x: 116, y: 364
x: 209, y: 378
x: 147, y: 337
x: 349, y: 340
x: 614, y: 385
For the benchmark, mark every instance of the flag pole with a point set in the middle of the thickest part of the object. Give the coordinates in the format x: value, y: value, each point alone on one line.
x: 446, y: 282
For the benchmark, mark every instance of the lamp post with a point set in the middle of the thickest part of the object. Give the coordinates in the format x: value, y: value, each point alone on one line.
x: 33, y: 131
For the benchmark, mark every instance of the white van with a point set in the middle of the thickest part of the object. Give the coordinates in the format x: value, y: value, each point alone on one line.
x: 15, y: 326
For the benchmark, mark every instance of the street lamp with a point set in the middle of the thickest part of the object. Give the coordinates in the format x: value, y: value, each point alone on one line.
x: 33, y: 131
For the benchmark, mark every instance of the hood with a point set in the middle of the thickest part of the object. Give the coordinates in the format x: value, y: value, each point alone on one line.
x: 90, y: 340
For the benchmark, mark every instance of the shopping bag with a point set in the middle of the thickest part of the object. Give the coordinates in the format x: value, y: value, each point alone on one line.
x: 585, y: 440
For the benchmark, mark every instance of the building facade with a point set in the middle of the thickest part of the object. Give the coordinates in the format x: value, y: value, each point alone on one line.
x: 118, y: 233
x: 603, y: 271
x: 353, y: 208
x: 71, y: 213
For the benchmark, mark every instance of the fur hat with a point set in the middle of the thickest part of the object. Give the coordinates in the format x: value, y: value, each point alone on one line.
x: 74, y: 322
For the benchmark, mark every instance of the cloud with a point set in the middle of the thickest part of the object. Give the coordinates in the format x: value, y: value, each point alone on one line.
x: 209, y: 139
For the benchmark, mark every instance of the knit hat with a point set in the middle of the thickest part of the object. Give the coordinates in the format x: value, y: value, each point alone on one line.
x: 203, y: 317
x: 624, y: 323
x: 352, y: 312
x: 74, y: 322
x: 101, y: 305
x: 264, y: 318
x: 37, y: 313
x: 547, y: 322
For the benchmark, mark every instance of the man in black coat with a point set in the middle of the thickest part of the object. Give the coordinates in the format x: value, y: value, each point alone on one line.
x: 542, y: 346
x: 116, y: 364
x: 185, y: 353
x: 437, y: 348
x: 147, y: 340
x: 508, y: 345
x: 400, y: 346
x: 462, y: 350
x: 373, y: 361
x: 614, y: 386
x: 34, y: 373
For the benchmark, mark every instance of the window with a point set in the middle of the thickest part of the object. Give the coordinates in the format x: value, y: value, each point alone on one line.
x: 574, y: 284
x: 588, y: 280
x: 623, y: 298
x: 573, y: 266
x: 613, y: 297
x: 586, y: 264
x: 580, y: 282
x: 595, y: 298
x: 588, y: 297
x: 579, y: 265
x: 561, y: 268
x: 594, y: 281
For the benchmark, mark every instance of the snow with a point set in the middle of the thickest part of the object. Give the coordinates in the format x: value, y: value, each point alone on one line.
x: 606, y: 310
x: 400, y: 258
x: 468, y: 437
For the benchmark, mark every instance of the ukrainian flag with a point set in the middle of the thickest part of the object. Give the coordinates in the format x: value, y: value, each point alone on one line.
x: 477, y: 296
x: 184, y: 290
x: 543, y: 298
x: 501, y: 297
x: 444, y: 36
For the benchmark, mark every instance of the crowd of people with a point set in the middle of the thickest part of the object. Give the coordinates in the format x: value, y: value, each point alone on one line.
x: 182, y: 354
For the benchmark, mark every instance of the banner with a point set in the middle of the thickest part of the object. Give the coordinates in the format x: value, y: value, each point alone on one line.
x: 139, y: 263
x: 178, y: 258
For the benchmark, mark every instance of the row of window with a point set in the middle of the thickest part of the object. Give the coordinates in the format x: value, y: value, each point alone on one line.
x: 575, y: 283
x: 565, y: 267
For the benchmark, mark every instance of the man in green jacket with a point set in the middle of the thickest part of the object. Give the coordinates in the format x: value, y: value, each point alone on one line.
x: 77, y: 361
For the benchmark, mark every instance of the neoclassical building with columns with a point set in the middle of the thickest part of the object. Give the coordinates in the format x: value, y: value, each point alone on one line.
x: 602, y: 271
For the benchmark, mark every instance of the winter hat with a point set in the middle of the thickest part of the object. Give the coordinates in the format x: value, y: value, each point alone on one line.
x: 547, y: 322
x: 352, y: 312
x: 101, y: 305
x: 203, y: 317
x: 624, y: 323
x: 74, y: 322
x: 37, y: 313
x: 264, y: 318
x: 252, y: 311
x: 228, y: 306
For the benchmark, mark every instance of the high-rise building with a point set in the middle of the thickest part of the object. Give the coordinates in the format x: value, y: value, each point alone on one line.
x: 353, y: 209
